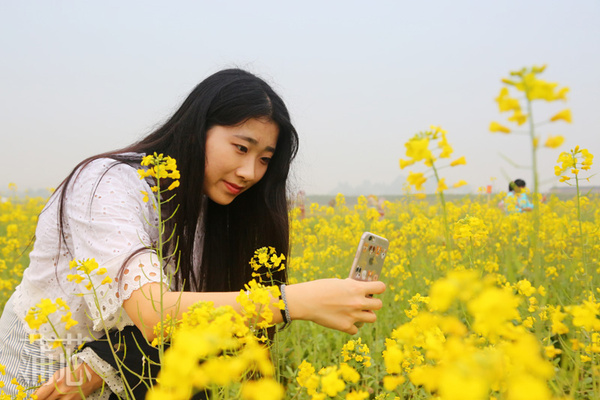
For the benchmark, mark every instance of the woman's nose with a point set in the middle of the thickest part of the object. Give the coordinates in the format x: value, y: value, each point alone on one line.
x: 246, y: 170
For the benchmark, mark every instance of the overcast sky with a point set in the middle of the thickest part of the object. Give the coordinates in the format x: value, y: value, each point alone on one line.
x: 360, y: 78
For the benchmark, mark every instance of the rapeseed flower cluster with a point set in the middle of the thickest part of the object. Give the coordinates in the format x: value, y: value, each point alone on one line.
x: 331, y: 381
x: 526, y: 81
x: 470, y: 231
x: 18, y: 218
x: 264, y: 262
x: 161, y: 167
x: 256, y: 303
x: 358, y: 351
x: 21, y: 390
x: 211, y: 348
x: 85, y: 269
x: 572, y: 162
x: 481, y: 353
x: 38, y: 315
x: 418, y: 149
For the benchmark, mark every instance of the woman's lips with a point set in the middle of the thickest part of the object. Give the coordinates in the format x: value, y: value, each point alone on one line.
x: 233, y: 188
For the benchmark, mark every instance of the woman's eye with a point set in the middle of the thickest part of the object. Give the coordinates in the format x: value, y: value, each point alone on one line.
x: 241, y: 148
x: 265, y: 160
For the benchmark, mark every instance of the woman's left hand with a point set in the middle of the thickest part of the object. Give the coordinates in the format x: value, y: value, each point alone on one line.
x: 68, y: 385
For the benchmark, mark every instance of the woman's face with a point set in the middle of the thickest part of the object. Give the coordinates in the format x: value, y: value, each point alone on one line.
x: 237, y: 157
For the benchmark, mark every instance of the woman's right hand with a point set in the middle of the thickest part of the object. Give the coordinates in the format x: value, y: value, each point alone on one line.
x: 335, y: 303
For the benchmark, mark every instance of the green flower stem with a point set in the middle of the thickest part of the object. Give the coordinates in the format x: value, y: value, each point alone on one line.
x: 471, y: 255
x: 67, y: 359
x: 533, y: 147
x: 445, y: 214
x: 159, y: 254
x: 129, y: 389
x: 576, y: 371
x: 536, y: 202
x: 581, y: 239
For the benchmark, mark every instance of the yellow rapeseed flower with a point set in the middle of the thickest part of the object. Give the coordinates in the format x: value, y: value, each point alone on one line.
x: 357, y: 395
x: 69, y: 322
x: 525, y: 287
x: 406, y: 163
x: 107, y: 279
x: 391, y: 382
x: 417, y: 179
x: 442, y: 185
x: 459, y: 161
x: 75, y: 278
x: 161, y: 167
x: 331, y: 384
x: 554, y: 141
x: 46, y: 307
x: 572, y: 161
x: 418, y: 149
x: 507, y: 103
x: 496, y: 127
x: 518, y: 117
x: 61, y: 304
x: 493, y: 310
x: 173, y: 185
x: 586, y: 315
x: 587, y: 159
x: 305, y: 371
x: 565, y: 115
x: 262, y: 389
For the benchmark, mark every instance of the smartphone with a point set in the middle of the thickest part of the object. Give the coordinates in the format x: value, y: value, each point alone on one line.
x: 370, y: 254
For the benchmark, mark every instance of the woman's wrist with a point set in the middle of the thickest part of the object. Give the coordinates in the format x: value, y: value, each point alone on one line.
x: 296, y: 300
x: 285, y: 312
x: 95, y: 380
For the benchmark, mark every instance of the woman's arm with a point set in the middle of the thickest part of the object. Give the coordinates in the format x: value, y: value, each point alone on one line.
x: 333, y: 303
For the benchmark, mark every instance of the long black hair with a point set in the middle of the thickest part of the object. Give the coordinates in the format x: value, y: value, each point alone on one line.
x: 257, y: 217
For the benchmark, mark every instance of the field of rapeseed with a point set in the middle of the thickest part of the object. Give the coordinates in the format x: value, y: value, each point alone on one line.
x: 474, y: 321
x: 479, y: 320
x: 482, y: 301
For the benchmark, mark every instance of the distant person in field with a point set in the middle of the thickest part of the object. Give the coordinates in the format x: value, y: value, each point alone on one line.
x: 516, y: 200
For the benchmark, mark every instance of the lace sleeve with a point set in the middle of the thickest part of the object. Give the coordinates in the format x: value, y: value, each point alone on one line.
x: 108, y: 221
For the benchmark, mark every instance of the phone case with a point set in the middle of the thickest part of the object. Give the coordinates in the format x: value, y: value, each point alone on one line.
x: 370, y: 254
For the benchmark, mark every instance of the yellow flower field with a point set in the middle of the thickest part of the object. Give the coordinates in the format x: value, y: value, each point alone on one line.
x: 478, y: 321
x: 473, y: 318
x: 488, y: 297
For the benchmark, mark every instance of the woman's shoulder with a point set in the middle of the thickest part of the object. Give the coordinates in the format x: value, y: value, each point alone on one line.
x: 122, y: 168
x: 130, y: 160
x: 108, y: 176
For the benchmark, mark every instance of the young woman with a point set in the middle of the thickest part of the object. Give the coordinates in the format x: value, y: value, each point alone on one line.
x: 233, y: 142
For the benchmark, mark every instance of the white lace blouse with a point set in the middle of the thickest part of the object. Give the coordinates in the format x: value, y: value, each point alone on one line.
x: 105, y: 219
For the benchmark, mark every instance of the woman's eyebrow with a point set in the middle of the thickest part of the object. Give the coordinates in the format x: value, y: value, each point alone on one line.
x: 254, y: 142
